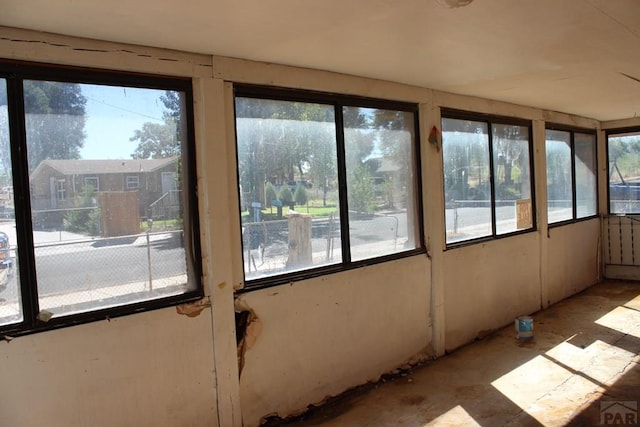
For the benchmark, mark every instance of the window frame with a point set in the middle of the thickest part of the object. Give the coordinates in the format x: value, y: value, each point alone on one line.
x: 135, y: 179
x: 61, y: 189
x: 572, y: 131
x: 490, y: 120
x: 608, y: 133
x: 15, y: 73
x: 337, y: 101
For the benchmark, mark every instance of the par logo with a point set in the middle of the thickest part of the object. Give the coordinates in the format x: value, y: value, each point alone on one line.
x: 619, y: 413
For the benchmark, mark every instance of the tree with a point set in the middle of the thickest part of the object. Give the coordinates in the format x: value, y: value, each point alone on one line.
x: 286, y: 197
x: 300, y: 195
x: 361, y: 194
x: 162, y: 140
x: 269, y: 194
x: 54, y: 119
x: 156, y: 141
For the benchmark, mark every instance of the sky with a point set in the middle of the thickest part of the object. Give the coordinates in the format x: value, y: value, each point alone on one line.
x: 113, y: 114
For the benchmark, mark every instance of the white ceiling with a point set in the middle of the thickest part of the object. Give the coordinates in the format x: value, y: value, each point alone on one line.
x: 574, y: 56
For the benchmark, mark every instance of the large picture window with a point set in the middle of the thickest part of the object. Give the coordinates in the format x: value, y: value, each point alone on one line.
x: 624, y: 171
x: 325, y: 182
x: 81, y: 247
x: 571, y: 175
x: 487, y: 177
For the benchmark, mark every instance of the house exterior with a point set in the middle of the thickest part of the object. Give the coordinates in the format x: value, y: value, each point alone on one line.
x: 59, y: 185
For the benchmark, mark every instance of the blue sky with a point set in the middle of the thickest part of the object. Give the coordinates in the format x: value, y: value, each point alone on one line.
x: 112, y: 116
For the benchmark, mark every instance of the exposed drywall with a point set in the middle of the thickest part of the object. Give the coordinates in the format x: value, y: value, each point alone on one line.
x: 488, y: 284
x: 320, y: 337
x: 573, y: 258
x: 153, y: 368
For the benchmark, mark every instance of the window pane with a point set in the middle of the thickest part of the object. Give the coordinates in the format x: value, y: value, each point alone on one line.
x: 512, y: 178
x: 97, y: 243
x: 287, y: 166
x: 559, y: 179
x: 465, y: 151
x: 10, y: 298
x: 380, y: 175
x: 624, y: 173
x: 586, y: 185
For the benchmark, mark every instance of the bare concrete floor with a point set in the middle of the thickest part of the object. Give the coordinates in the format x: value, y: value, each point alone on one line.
x: 581, y: 368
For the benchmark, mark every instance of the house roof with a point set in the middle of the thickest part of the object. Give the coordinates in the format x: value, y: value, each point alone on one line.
x: 97, y: 167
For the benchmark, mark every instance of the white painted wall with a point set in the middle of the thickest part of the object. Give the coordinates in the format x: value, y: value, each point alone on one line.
x: 312, y: 339
x: 153, y: 368
x: 317, y: 338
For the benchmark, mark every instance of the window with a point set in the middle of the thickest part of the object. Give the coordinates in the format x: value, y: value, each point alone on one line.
x: 326, y: 182
x: 92, y: 184
x: 623, y: 150
x: 61, y: 190
x: 571, y: 175
x: 487, y: 177
x: 133, y: 182
x: 87, y: 253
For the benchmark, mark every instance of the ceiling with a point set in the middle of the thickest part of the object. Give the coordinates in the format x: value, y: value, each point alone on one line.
x: 574, y: 56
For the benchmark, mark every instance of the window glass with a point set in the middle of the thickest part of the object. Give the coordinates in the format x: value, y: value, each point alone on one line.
x: 380, y: 176
x: 10, y: 297
x: 96, y: 244
x: 586, y: 173
x: 324, y: 184
x: 624, y: 173
x: 465, y: 152
x: 559, y: 176
x: 512, y: 177
x: 288, y: 176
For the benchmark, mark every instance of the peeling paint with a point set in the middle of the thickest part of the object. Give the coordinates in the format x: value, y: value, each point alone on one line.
x: 248, y: 329
x: 193, y: 309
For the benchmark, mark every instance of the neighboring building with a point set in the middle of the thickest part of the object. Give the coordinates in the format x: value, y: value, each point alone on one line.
x: 57, y: 184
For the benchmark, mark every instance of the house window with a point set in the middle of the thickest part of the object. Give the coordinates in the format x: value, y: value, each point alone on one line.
x: 92, y: 184
x: 133, y: 182
x: 487, y: 177
x: 61, y: 189
x: 571, y: 175
x: 102, y: 264
x: 623, y: 151
x: 327, y: 182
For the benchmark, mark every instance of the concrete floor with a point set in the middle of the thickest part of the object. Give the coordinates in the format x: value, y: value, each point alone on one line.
x: 581, y: 368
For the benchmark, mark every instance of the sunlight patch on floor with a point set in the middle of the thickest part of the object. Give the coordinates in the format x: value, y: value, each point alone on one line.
x: 455, y: 416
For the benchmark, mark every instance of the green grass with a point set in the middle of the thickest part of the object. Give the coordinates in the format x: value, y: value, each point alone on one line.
x: 270, y: 214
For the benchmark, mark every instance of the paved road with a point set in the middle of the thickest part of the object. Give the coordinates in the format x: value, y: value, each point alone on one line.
x: 74, y: 267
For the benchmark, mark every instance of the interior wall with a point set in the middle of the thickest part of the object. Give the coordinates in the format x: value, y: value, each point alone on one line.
x: 317, y: 338
x: 152, y: 368
x: 309, y: 339
x: 500, y: 281
x: 574, y: 259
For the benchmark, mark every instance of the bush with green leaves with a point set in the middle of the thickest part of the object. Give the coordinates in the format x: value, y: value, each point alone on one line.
x: 361, y: 190
x: 269, y: 194
x: 300, y: 195
x: 285, y: 196
x: 85, y: 218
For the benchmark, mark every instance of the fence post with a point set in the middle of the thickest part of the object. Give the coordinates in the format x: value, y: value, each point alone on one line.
x: 149, y: 261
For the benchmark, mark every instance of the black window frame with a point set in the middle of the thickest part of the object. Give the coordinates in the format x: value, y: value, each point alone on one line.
x: 490, y: 120
x: 572, y: 130
x: 15, y: 73
x: 338, y: 101
x: 608, y: 133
